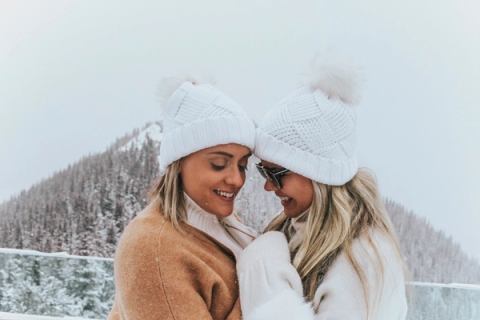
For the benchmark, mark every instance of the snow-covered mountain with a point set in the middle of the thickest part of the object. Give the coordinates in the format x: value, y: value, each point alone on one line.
x: 151, y: 131
x: 83, y: 209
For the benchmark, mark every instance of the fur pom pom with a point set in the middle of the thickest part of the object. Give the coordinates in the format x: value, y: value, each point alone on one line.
x: 335, y: 79
x: 168, y: 85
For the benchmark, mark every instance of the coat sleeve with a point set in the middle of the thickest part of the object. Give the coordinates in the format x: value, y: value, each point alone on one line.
x: 141, y: 283
x: 270, y: 287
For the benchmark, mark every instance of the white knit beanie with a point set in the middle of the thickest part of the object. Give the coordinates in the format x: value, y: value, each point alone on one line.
x: 199, y: 116
x: 312, y: 131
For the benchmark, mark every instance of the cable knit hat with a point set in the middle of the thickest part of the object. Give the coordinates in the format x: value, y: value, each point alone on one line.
x: 312, y: 131
x: 199, y: 116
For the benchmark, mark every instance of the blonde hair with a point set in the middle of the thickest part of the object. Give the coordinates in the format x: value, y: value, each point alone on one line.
x: 167, y: 191
x: 337, y: 216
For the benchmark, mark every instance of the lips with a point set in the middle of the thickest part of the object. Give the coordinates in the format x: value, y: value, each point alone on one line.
x: 225, y: 195
x: 284, y: 199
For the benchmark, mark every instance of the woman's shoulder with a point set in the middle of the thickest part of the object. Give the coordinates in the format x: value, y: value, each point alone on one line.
x: 374, y: 254
x: 382, y: 271
x: 148, y: 222
x: 151, y: 233
x: 149, y: 230
x: 376, y: 244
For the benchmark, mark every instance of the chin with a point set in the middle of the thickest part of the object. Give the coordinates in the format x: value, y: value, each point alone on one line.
x: 223, y: 212
x: 292, y: 213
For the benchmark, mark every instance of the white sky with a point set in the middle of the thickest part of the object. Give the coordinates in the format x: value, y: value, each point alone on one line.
x: 75, y: 75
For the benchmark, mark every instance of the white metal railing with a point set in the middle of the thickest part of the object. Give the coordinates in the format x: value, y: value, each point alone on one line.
x: 427, y: 301
x: 17, y: 316
x: 50, y: 254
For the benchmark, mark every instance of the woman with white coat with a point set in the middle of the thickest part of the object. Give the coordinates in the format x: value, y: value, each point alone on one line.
x: 332, y: 252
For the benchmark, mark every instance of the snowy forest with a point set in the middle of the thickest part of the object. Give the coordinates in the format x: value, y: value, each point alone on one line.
x: 83, y: 209
x: 36, y: 283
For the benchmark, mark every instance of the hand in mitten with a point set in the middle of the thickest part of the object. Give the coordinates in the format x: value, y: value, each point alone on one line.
x: 264, y: 270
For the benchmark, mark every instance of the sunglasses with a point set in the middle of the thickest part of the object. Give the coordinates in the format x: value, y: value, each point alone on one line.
x: 272, y: 174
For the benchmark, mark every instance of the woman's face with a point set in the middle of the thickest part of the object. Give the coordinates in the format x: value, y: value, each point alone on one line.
x: 296, y: 193
x: 213, y: 177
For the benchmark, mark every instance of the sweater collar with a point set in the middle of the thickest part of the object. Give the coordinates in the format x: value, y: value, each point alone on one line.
x: 297, y: 229
x: 299, y: 222
x: 229, y: 231
x: 197, y: 216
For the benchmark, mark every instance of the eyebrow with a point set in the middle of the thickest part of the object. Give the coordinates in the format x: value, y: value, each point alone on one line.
x: 272, y: 166
x: 226, y: 154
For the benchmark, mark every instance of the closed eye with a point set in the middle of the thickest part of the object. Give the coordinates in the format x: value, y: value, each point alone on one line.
x: 217, y: 167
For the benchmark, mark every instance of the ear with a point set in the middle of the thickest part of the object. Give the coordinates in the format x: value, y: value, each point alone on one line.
x: 180, y: 168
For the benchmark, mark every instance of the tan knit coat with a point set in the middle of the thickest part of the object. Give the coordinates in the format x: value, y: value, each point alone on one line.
x: 161, y: 273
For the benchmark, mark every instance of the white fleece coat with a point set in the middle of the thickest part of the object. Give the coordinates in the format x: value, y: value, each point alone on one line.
x: 271, y: 289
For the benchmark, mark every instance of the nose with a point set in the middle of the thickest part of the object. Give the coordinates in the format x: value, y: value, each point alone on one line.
x: 269, y: 186
x: 235, y: 178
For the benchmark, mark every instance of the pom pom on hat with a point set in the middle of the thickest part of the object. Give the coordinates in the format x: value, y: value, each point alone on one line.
x: 337, y: 80
x: 312, y: 130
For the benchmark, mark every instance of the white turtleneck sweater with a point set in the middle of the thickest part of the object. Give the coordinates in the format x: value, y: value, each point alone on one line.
x: 229, y: 231
x: 271, y: 288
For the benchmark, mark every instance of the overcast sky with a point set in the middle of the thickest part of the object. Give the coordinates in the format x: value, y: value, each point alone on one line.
x: 75, y: 75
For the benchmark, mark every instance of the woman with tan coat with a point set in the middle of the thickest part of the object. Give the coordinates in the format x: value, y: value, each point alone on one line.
x: 176, y: 259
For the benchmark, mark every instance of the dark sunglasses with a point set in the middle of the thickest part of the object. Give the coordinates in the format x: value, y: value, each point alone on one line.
x: 272, y: 174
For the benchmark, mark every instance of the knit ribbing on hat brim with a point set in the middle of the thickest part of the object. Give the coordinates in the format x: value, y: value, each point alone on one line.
x: 314, y: 167
x: 203, y: 134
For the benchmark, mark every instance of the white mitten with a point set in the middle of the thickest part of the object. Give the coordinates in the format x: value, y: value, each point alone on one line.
x: 265, y: 271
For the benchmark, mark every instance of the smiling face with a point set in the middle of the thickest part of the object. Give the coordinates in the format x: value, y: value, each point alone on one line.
x: 296, y: 193
x: 213, y: 177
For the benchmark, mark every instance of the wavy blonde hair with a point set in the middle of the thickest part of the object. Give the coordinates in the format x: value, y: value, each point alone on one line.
x: 167, y: 191
x: 336, y: 217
